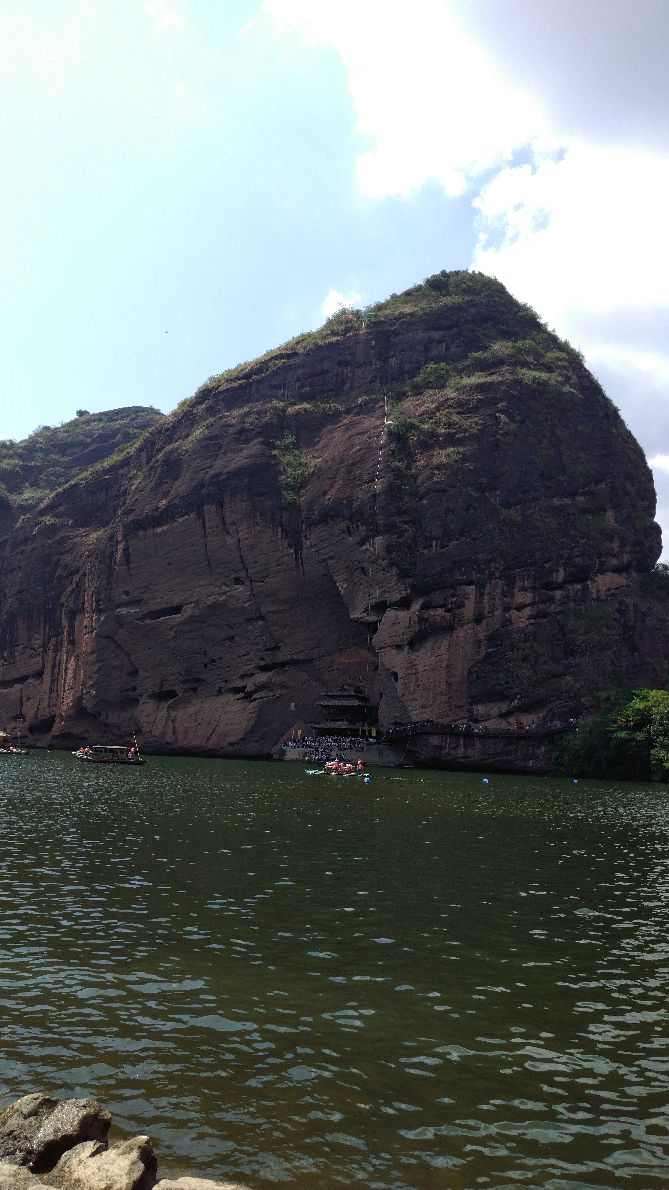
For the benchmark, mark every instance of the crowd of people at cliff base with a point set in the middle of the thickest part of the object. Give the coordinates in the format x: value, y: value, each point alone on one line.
x: 402, y: 730
x: 324, y: 747
x: 418, y: 726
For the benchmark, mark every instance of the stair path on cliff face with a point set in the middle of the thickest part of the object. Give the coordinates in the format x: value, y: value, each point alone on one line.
x: 382, y: 436
x: 382, y: 442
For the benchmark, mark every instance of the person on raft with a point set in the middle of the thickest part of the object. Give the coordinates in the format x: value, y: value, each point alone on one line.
x: 339, y: 768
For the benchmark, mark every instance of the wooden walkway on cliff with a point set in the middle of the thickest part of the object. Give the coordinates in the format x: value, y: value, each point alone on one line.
x: 406, y: 731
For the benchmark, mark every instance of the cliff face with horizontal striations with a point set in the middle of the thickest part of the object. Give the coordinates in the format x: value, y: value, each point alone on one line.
x: 433, y: 501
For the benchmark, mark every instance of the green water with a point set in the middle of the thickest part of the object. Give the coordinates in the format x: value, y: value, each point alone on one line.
x: 427, y: 982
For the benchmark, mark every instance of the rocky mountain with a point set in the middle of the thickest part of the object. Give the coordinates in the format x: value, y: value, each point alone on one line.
x: 431, y: 501
x: 36, y: 466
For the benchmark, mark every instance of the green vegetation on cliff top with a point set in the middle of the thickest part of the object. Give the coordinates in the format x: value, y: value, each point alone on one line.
x: 36, y: 466
x: 444, y: 289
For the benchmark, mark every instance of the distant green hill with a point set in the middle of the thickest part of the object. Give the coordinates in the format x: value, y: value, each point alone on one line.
x: 33, y: 468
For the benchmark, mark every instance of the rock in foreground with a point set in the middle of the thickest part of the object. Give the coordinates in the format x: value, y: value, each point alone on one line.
x: 65, y: 1140
x: 130, y: 1165
x: 37, y: 1129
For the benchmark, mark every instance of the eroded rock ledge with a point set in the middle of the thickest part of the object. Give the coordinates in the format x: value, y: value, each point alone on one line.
x: 62, y: 1143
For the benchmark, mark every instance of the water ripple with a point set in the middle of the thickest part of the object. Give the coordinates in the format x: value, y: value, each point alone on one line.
x: 425, y: 983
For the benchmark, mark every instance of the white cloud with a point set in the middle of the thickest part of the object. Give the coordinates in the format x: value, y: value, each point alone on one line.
x: 166, y: 15
x: 647, y: 367
x: 583, y: 240
x: 426, y: 95
x: 581, y: 226
x: 462, y: 91
x: 334, y: 301
x: 584, y: 232
x: 660, y: 463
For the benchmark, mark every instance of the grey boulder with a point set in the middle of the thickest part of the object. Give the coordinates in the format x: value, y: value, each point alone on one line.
x: 37, y: 1129
x: 17, y: 1177
x: 187, y: 1183
x: 129, y: 1165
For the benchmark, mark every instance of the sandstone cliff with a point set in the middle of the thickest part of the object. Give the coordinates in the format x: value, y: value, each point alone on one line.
x: 433, y: 501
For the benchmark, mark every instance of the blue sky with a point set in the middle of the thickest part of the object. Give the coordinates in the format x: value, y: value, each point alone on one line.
x: 188, y: 182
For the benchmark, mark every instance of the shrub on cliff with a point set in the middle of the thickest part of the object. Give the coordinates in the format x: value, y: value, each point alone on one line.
x: 30, y: 497
x: 295, y: 467
x: 431, y: 376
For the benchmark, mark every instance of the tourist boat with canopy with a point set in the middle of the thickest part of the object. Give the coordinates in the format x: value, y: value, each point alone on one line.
x: 109, y: 754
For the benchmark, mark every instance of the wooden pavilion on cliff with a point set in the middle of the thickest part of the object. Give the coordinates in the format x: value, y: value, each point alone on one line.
x: 346, y: 712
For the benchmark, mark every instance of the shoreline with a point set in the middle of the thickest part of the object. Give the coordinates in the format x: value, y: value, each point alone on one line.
x: 64, y: 1143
